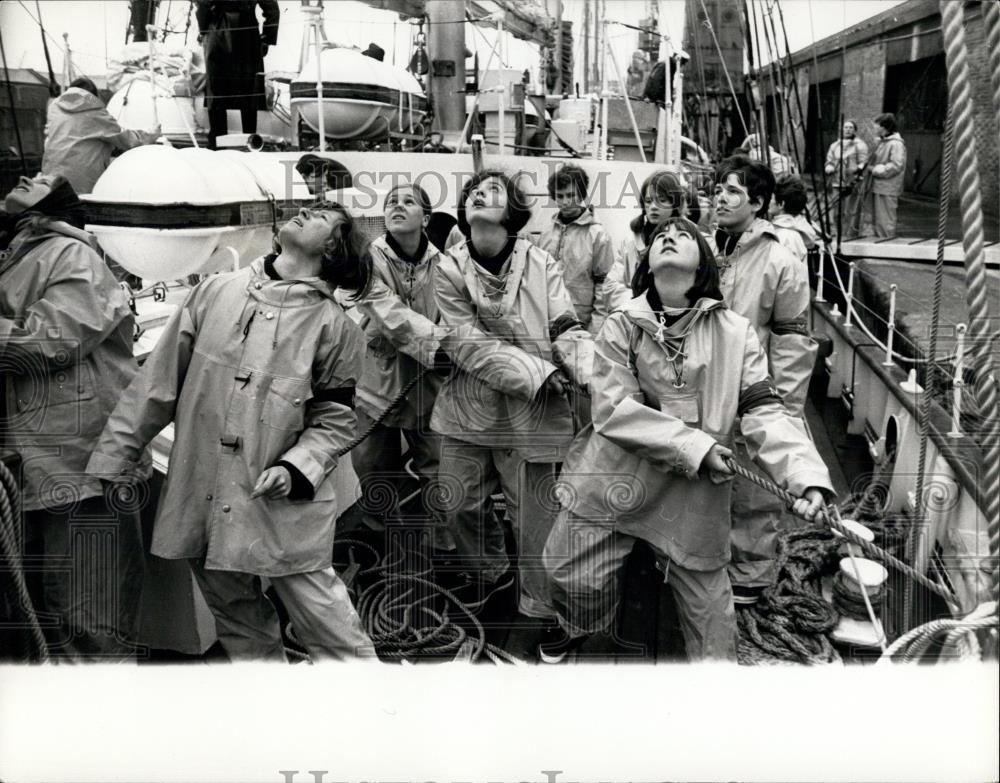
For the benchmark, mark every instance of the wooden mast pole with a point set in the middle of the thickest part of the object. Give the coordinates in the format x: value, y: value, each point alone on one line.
x: 446, y: 41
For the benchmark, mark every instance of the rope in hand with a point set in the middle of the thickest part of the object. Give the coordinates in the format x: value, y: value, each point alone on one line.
x: 11, y: 547
x: 830, y: 519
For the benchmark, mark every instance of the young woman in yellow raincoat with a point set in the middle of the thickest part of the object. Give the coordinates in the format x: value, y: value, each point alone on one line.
x: 257, y: 370
x: 673, y: 373
x: 503, y: 413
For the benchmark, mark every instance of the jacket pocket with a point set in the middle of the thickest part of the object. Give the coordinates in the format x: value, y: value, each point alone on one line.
x: 73, y: 384
x: 284, y: 407
x: 683, y: 405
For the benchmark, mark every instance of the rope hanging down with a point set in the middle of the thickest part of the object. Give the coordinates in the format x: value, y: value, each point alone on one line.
x: 976, y: 287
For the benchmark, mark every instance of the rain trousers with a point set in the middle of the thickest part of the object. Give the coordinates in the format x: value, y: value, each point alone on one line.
x: 583, y: 247
x: 854, y: 153
x: 65, y: 357
x: 887, y: 169
x: 662, y: 397
x: 503, y: 429
x: 400, y: 321
x: 80, y: 136
x: 762, y: 281
x: 254, y: 372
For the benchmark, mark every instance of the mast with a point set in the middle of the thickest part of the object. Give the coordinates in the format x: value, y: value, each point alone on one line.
x: 446, y: 41
x: 586, y: 48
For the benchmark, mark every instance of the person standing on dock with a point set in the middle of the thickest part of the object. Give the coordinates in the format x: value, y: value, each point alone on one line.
x: 257, y: 371
x: 845, y: 163
x: 887, y: 169
x: 235, y: 47
x: 763, y: 281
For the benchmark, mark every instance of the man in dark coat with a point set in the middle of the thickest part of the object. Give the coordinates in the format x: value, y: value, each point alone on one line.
x: 234, y: 59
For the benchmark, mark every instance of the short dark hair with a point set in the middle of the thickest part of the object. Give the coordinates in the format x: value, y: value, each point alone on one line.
x: 85, y: 84
x: 753, y: 175
x: 790, y: 193
x: 668, y: 188
x: 887, y: 121
x: 422, y: 198
x: 518, y: 211
x: 569, y: 175
x: 706, y: 278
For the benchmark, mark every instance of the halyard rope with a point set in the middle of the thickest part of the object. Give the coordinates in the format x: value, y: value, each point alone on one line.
x: 977, y: 289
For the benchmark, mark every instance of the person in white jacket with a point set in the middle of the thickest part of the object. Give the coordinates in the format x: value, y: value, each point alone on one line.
x: 764, y: 282
x: 503, y: 412
x: 787, y: 214
x: 676, y: 375
x: 80, y: 136
x: 403, y: 335
x: 886, y: 172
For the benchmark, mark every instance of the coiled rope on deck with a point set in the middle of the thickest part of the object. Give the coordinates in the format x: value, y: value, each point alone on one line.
x: 831, y: 520
x: 791, y: 621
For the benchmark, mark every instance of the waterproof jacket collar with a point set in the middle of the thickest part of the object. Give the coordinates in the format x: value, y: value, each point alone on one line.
x: 639, y: 312
x: 426, y: 252
x: 755, y: 234
x: 286, y: 293
x: 27, y: 238
x: 585, y: 218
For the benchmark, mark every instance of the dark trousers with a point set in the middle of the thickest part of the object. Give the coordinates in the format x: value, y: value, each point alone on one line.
x: 84, y: 568
x: 218, y: 124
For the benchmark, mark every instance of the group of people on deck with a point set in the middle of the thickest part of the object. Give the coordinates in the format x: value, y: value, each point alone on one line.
x: 605, y: 392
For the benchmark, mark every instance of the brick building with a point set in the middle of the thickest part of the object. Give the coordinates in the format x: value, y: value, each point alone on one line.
x: 893, y: 62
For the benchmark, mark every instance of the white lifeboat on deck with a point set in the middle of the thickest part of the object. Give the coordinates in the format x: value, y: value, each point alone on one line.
x: 363, y: 98
x: 165, y: 213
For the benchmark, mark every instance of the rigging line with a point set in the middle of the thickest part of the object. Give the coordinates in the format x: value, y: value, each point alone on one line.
x: 749, y: 83
x: 13, y: 111
x: 930, y: 372
x: 54, y: 89
x: 187, y: 24
x: 780, y: 115
x: 784, y: 76
x: 722, y: 61
x: 825, y: 212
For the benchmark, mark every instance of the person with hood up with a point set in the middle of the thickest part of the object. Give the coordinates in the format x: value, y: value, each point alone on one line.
x: 662, y: 196
x: 887, y: 170
x: 787, y: 214
x: 257, y: 371
x: 676, y: 373
x: 764, y: 282
x: 65, y: 357
x: 80, y: 136
x: 402, y: 329
x: 778, y: 163
x: 578, y: 241
x: 503, y: 412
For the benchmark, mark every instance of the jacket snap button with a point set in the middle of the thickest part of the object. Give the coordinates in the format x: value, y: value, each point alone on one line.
x: 269, y: 316
x: 208, y: 497
x: 258, y: 286
x: 226, y: 509
x: 296, y: 401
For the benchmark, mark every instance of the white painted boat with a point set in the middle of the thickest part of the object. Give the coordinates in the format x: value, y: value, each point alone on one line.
x: 363, y: 98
